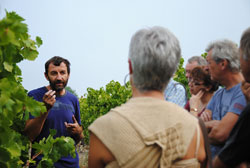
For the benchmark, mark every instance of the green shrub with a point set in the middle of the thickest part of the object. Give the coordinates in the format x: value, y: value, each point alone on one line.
x: 98, y: 102
x: 15, y: 46
x: 180, y: 76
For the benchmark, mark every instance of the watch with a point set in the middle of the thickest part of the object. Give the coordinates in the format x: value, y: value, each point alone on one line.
x: 194, y: 109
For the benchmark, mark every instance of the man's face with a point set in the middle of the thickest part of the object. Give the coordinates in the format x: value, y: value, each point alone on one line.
x: 213, y: 67
x: 245, y: 67
x: 189, y: 67
x: 57, y: 76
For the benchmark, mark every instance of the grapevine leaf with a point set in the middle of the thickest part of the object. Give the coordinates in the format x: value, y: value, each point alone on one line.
x: 39, y: 41
x: 8, y: 67
x: 15, y: 150
x: 14, y: 16
x: 4, y: 155
x: 29, y: 54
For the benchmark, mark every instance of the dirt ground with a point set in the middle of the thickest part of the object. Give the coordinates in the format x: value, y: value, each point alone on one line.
x: 83, y: 151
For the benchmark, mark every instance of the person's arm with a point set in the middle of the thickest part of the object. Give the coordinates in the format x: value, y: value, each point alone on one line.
x: 195, y: 103
x: 210, y: 124
x: 237, y: 146
x: 99, y: 154
x: 217, y: 163
x: 221, y: 130
x: 34, y: 126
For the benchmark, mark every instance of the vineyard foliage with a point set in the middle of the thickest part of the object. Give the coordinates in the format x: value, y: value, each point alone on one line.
x: 15, y: 105
x: 99, y: 102
x: 180, y: 76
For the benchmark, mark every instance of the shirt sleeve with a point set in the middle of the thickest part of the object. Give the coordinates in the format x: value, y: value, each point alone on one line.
x: 210, y: 105
x: 238, y: 103
x: 237, y: 146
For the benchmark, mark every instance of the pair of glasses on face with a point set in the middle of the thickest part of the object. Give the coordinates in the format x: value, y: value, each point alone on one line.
x: 196, y: 83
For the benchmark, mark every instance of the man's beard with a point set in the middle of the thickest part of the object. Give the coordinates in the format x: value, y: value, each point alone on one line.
x: 58, y: 88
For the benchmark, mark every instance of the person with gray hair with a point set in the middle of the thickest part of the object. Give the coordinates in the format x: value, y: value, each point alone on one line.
x: 148, y: 131
x: 236, y: 150
x: 193, y: 62
x: 226, y: 105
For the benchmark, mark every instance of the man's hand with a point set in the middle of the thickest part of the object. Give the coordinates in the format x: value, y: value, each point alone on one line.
x: 49, y: 99
x: 245, y: 87
x: 74, y: 129
x: 206, y: 115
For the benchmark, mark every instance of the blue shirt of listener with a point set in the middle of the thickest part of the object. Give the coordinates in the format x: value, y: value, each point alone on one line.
x: 224, y: 101
x: 62, y: 111
x: 175, y: 93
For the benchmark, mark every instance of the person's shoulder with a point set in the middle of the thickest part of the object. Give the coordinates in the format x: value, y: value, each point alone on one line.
x: 219, y: 91
x: 237, y: 92
x: 71, y: 96
x: 40, y: 90
x: 107, y: 120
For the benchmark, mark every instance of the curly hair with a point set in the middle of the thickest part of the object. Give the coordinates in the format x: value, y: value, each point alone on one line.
x: 201, y: 73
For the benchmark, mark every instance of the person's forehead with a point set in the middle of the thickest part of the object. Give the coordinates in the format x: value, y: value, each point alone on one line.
x: 52, y: 66
x: 192, y: 64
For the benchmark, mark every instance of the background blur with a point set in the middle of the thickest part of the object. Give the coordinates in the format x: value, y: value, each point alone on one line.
x: 94, y: 35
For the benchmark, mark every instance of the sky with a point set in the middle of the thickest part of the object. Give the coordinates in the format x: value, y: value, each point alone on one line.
x: 94, y: 35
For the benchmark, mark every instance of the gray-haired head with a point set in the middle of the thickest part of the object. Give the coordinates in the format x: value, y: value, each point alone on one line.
x: 225, y: 49
x: 245, y: 44
x: 199, y: 59
x: 155, y: 54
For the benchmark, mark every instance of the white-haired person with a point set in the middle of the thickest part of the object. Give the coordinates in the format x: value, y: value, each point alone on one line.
x: 148, y: 131
x: 236, y: 150
x: 224, y: 108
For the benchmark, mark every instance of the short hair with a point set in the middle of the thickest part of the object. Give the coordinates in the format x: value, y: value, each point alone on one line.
x: 199, y: 59
x: 200, y: 73
x: 155, y: 54
x: 56, y: 60
x: 245, y: 44
x: 225, y: 49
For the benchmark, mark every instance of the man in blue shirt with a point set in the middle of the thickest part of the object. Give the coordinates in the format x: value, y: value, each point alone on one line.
x: 224, y: 108
x: 237, y: 147
x: 63, y: 112
x: 175, y: 92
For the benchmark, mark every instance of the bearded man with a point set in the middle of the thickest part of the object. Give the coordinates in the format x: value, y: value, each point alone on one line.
x: 63, y: 112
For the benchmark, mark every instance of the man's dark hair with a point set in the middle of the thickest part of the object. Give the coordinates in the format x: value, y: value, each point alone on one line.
x: 56, y: 60
x: 245, y: 44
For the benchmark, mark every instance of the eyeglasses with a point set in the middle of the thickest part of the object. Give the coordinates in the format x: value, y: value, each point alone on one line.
x: 196, y: 83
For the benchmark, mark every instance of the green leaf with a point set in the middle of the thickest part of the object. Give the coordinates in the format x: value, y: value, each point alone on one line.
x: 7, y: 36
x: 14, y: 16
x: 39, y: 41
x: 8, y: 67
x: 52, y: 132
x: 4, y: 155
x: 15, y: 150
x: 29, y: 54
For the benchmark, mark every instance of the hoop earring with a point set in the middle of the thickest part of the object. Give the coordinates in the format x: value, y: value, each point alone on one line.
x: 125, y: 80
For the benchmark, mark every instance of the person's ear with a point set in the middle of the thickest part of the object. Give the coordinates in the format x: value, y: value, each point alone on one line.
x: 46, y: 76
x: 224, y: 64
x: 130, y: 66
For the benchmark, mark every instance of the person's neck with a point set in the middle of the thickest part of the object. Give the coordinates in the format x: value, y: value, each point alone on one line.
x: 154, y: 94
x: 58, y: 93
x: 232, y: 79
x: 206, y: 97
